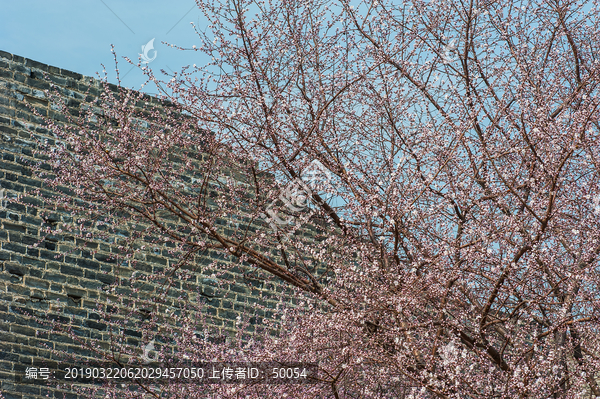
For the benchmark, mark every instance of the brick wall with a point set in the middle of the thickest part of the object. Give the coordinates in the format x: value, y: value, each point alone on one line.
x: 63, y: 269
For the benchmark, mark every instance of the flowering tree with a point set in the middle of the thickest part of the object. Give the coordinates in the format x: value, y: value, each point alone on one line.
x: 455, y: 242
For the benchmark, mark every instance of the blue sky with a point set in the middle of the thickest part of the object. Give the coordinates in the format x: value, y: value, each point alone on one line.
x: 77, y: 35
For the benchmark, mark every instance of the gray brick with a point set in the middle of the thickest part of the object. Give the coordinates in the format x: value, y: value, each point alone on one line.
x: 66, y: 269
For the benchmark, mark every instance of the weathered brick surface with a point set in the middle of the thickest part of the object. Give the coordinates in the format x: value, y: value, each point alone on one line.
x: 62, y: 268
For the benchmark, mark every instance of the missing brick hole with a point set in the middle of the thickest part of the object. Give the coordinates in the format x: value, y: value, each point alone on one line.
x: 51, y: 220
x: 36, y: 297
x: 50, y: 243
x: 37, y: 101
x: 15, y: 272
x: 145, y: 314
x: 74, y: 298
